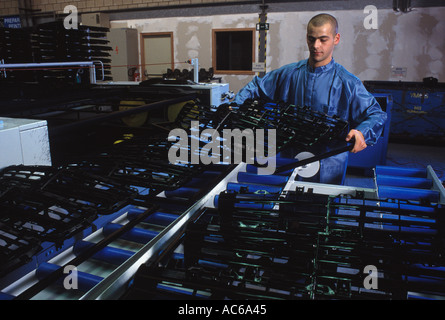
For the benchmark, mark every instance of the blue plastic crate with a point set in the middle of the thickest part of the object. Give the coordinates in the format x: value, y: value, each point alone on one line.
x: 418, y: 110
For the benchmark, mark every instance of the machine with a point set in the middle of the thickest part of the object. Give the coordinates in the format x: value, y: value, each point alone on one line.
x: 139, y: 227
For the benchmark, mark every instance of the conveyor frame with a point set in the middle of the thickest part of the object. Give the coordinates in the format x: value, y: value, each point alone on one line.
x: 115, y: 284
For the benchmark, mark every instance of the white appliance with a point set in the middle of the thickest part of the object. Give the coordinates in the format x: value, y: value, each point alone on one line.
x: 24, y: 141
x: 124, y: 55
x: 213, y: 94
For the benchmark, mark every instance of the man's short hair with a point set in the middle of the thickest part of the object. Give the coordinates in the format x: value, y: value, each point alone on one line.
x: 323, y: 18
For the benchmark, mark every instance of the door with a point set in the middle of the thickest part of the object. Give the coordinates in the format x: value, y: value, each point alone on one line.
x: 157, y: 54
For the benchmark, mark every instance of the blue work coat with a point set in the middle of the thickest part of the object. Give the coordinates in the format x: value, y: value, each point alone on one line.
x: 330, y: 89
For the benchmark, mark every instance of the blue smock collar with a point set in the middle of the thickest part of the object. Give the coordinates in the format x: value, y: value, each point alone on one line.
x: 321, y: 69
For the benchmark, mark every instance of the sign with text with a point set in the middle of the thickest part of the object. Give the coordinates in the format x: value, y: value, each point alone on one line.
x: 262, y: 26
x: 258, y: 66
x: 12, y: 22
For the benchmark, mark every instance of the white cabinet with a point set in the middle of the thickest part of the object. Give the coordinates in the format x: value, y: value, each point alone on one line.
x: 124, y: 55
x: 24, y: 141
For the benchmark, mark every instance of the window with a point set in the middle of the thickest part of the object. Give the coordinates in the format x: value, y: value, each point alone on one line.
x: 233, y: 51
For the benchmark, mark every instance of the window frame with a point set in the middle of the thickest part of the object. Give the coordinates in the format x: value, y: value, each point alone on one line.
x: 234, y: 72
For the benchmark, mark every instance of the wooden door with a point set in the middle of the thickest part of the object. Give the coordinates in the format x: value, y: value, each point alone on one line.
x: 157, y: 54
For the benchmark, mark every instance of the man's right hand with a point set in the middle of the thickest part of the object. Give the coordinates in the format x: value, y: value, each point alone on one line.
x: 360, y: 143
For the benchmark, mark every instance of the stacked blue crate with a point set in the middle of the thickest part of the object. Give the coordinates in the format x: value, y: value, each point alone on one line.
x: 417, y: 109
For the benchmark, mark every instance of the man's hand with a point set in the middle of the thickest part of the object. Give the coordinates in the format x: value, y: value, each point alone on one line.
x: 360, y: 143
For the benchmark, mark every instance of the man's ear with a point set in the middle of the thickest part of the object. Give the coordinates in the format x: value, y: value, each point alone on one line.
x: 336, y: 38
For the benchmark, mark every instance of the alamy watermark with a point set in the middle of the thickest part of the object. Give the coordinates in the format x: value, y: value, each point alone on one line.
x: 371, y: 20
x: 371, y: 280
x: 71, y: 21
x: 71, y: 280
x: 217, y: 149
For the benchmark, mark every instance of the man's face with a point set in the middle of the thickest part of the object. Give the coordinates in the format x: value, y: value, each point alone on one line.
x: 321, y: 41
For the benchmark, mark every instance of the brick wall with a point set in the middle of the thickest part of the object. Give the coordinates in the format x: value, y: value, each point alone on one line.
x: 10, y: 7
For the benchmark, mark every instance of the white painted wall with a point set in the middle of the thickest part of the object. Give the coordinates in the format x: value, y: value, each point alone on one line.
x: 413, y: 40
x: 192, y: 38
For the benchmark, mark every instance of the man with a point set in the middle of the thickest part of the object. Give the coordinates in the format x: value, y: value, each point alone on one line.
x: 324, y: 85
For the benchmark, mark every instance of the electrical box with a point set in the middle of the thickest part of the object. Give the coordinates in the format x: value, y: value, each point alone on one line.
x: 124, y: 56
x: 96, y: 19
x: 212, y: 94
x: 24, y: 141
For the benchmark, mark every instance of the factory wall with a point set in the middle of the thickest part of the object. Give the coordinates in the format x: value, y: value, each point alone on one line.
x: 192, y: 38
x: 11, y: 7
x: 401, y: 46
x: 411, y: 40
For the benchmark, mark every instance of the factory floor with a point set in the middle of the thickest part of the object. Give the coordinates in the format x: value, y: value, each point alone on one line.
x: 405, y: 156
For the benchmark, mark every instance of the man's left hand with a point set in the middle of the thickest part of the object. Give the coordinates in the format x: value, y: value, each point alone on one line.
x: 360, y: 143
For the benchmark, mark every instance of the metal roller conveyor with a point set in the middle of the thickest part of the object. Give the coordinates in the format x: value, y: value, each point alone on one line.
x: 239, y: 250
x: 252, y: 202
x: 238, y: 187
x: 115, y: 284
x: 415, y: 184
x: 183, y: 192
x: 276, y: 180
x: 260, y: 184
x: 131, y: 229
x: 111, y: 255
x: 406, y: 182
x: 159, y: 218
x: 406, y: 206
x: 38, y: 285
x: 202, y: 179
x: 400, y: 217
x: 85, y: 281
x: 280, y: 161
x: 406, y: 193
x: 304, y: 246
x: 225, y: 231
x: 137, y: 235
x: 401, y: 172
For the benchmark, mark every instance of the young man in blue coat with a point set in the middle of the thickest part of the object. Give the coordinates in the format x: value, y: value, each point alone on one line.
x: 324, y: 85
